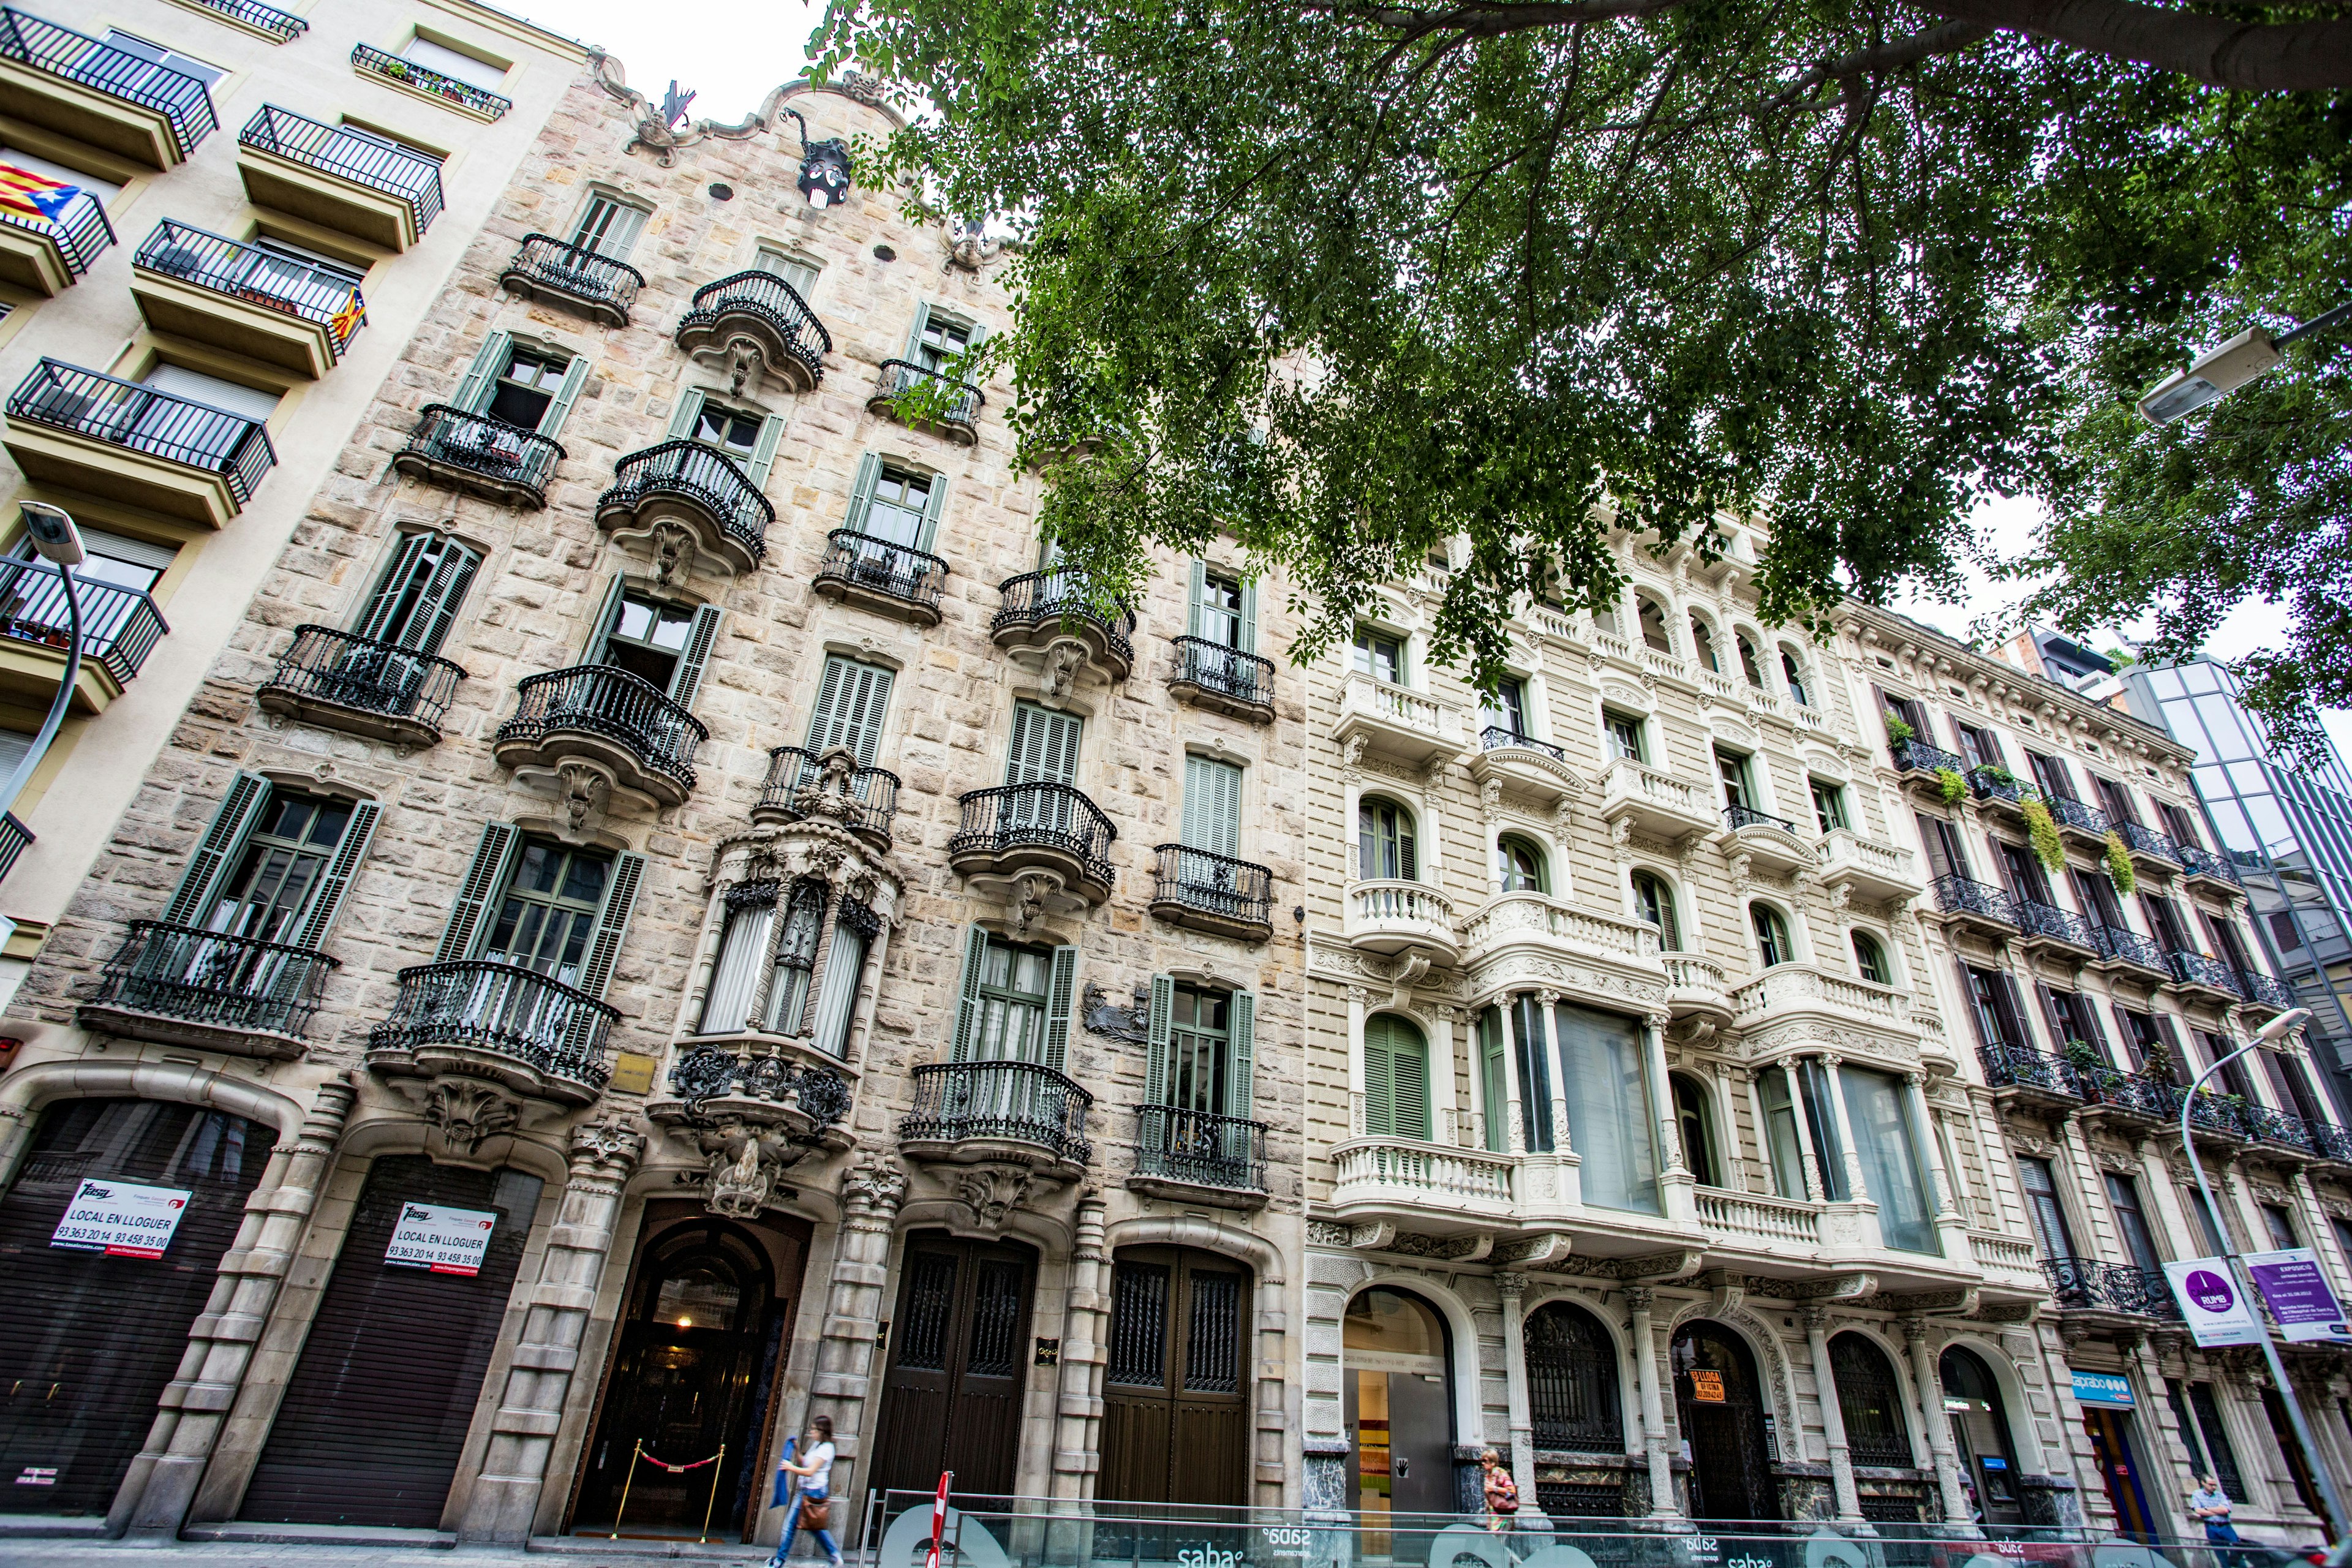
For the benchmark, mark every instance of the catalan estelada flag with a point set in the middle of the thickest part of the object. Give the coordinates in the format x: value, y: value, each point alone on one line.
x: 347, y: 320
x: 33, y: 195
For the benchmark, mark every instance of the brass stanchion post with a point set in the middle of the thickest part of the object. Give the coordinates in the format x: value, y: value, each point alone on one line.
x: 633, y: 1456
x: 718, y: 1464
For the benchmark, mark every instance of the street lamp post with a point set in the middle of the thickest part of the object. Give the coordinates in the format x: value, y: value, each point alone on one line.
x: 2219, y: 372
x: 57, y: 541
x: 2277, y: 1029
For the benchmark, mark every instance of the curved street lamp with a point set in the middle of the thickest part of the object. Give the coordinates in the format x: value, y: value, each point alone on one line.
x: 2219, y: 372
x: 59, y: 543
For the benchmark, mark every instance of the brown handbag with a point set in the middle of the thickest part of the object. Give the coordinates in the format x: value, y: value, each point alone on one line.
x: 817, y: 1513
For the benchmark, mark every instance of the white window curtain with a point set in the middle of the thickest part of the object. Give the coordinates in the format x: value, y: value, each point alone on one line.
x: 1609, y: 1117
x: 742, y: 949
x: 845, y: 962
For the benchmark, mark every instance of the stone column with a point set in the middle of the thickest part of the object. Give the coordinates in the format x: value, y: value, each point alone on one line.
x: 1806, y: 1153
x: 1675, y: 1180
x: 1817, y: 1340
x: 870, y: 1196
x: 1357, y: 997
x: 1515, y: 1136
x: 160, y: 1485
x: 869, y: 994
x: 1077, y: 1423
x: 1929, y: 1380
x: 1513, y: 1288
x: 1653, y: 1414
x: 1951, y: 1226
x: 504, y: 1500
x: 1444, y: 1107
x: 1855, y: 1186
x: 1560, y: 1141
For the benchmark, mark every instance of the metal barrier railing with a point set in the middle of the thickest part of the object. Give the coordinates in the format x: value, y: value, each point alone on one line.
x: 257, y: 276
x: 184, y: 101
x: 143, y: 419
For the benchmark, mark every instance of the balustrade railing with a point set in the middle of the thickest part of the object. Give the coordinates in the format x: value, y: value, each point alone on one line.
x: 577, y: 271
x: 703, y: 475
x: 1227, y: 671
x: 351, y: 671
x: 490, y: 448
x: 2133, y: 1093
x: 799, y: 785
x: 79, y: 230
x: 2261, y: 988
x: 282, y: 26
x: 1200, y: 1148
x: 184, y: 101
x: 2014, y: 1067
x: 1495, y: 737
x: 2058, y: 925
x: 1054, y: 815
x: 706, y: 1072
x: 900, y: 570
x: 473, y: 100
x: 2221, y: 1115
x: 2068, y: 811
x: 1035, y: 598
x: 2087, y: 1283
x: 143, y: 419
x: 1396, y: 903
x: 768, y: 299
x: 120, y: 626
x: 256, y: 277
x: 15, y: 839
x: 213, y: 979
x: 2266, y: 1125
x: 1772, y: 1221
x: 502, y: 1010
x: 385, y: 166
x: 1431, y: 1175
x: 2330, y: 1142
x: 1961, y: 896
x: 2200, y: 861
x: 963, y: 400
x: 1010, y: 1102
x: 604, y: 699
x: 2202, y: 969
x: 1988, y: 783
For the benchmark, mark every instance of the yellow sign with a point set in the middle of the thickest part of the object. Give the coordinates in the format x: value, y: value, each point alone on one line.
x: 1707, y: 1386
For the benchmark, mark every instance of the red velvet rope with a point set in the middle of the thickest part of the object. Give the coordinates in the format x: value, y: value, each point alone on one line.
x: 674, y: 1470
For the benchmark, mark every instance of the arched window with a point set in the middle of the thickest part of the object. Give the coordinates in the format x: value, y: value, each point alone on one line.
x: 1795, y: 670
x: 1871, y: 1400
x: 742, y: 954
x: 1655, y: 631
x: 1572, y: 1379
x: 1869, y: 960
x: 1747, y: 665
x: 1695, y: 1119
x: 1657, y: 902
x: 788, y: 985
x: 1396, y: 1079
x: 1773, y: 944
x: 1704, y: 641
x: 1384, y: 842
x: 1519, y: 867
x: 1981, y: 1433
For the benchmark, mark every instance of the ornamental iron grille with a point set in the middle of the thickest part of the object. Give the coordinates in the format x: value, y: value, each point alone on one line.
x: 1871, y: 1400
x: 1572, y: 1381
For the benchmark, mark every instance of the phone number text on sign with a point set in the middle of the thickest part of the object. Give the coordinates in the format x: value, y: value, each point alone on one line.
x: 122, y: 1219
x: 444, y: 1240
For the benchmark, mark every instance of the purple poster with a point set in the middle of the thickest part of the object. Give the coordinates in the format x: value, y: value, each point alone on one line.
x: 2297, y: 1294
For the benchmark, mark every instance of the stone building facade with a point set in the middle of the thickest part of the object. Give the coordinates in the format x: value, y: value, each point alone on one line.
x: 665, y: 850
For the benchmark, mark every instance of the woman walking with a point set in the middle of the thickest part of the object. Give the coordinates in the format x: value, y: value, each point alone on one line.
x: 811, y: 1504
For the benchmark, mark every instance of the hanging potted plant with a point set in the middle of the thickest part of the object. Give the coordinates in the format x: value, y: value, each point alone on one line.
x: 2042, y: 832
x: 1955, y: 788
x: 1898, y: 729
x: 2119, y: 866
x: 2083, y: 1055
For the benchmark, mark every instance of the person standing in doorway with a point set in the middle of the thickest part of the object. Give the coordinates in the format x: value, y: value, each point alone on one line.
x: 812, y: 1505
x: 2209, y: 1503
x: 1502, y: 1492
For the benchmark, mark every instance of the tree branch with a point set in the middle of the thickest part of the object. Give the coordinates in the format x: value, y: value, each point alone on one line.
x: 2297, y: 56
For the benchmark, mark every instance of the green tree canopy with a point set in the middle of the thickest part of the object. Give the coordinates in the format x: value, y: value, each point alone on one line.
x: 1349, y: 280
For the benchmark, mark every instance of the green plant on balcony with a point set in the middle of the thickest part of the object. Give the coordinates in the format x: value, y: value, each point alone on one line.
x: 2157, y: 1063
x: 1898, y: 731
x: 1955, y: 788
x: 2042, y: 832
x: 2119, y: 866
x: 2082, y: 1054
x: 1997, y: 774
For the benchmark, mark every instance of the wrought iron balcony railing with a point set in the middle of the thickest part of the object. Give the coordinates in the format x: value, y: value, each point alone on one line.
x: 860, y: 799
x: 1227, y: 671
x: 351, y: 671
x: 1494, y: 736
x: 143, y: 420
x: 1960, y: 896
x: 256, y: 277
x: 2201, y: 969
x: 214, y: 980
x: 605, y: 700
x: 1739, y: 816
x: 2014, y: 1067
x: 2145, y: 840
x: 2058, y: 925
x: 2266, y: 1125
x: 1053, y: 815
x: 1200, y: 1148
x: 771, y: 299
x: 502, y: 1010
x: 2222, y: 1114
x: 901, y: 377
x: 2085, y: 1283
x: 2261, y: 988
x: 2132, y: 1093
x: 2128, y: 947
x: 1214, y: 884
x: 900, y: 570
x: 1917, y: 757
x: 2068, y: 811
x: 282, y: 26
x: 383, y: 167
x: 573, y: 269
x: 1035, y: 598
x: 184, y: 101
x: 1987, y: 783
x: 707, y: 1072
x: 120, y: 626
x: 507, y: 455
x: 15, y: 839
x: 2330, y: 1142
x: 1009, y: 1101
x: 2200, y: 861
x: 80, y: 231
x: 703, y: 475
x: 423, y: 79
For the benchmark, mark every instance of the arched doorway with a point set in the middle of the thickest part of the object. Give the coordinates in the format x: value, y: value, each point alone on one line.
x: 1981, y: 1433
x: 699, y: 1342
x: 1718, y: 1402
x: 1572, y: 1381
x: 83, y: 1369
x: 951, y: 1399
x: 1175, y: 1404
x: 1399, y: 1405
x: 1870, y: 1400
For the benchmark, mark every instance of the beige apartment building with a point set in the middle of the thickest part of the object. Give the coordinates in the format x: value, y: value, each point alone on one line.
x: 666, y: 913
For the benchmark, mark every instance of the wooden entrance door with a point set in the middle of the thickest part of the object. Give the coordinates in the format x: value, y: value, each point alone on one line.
x: 951, y: 1399
x: 1175, y: 1407
x: 1722, y: 1416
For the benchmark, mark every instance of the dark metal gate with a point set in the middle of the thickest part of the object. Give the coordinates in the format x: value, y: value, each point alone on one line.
x: 1175, y: 1397
x: 1722, y: 1418
x: 959, y: 1367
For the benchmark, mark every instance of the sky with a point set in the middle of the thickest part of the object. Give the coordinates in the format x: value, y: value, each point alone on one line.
x: 729, y: 55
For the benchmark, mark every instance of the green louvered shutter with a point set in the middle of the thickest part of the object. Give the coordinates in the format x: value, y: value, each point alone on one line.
x: 1213, y: 805
x: 1240, y: 1091
x: 1248, y: 643
x: 1396, y: 1079
x: 392, y: 588
x: 975, y: 965
x: 473, y: 393
x: 763, y: 453
x: 215, y: 853
x: 428, y: 624
x: 1061, y: 996
x: 612, y: 923
x: 915, y: 333
x: 419, y: 625
x: 1161, y: 1018
x: 685, y: 412
x: 335, y: 885
x: 687, y: 680
x: 608, y: 615
x: 1196, y: 583
x: 1045, y: 746
x: 861, y: 493
x: 851, y: 700
x: 1494, y: 1088
x: 934, y: 507
x: 486, y: 878
x: 575, y: 375
x: 1379, y: 1093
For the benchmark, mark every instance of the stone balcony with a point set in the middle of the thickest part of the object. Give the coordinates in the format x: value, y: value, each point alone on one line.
x: 1392, y: 917
x: 1198, y: 1157
x: 1759, y: 840
x: 1697, y: 988
x: 755, y: 321
x: 555, y: 272
x: 1656, y: 803
x: 481, y: 1047
x: 1808, y: 995
x: 1522, y: 763
x: 1422, y: 1185
x: 1013, y: 1115
x: 679, y: 491
x: 1396, y: 724
x: 1874, y: 870
x: 754, y: 1108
